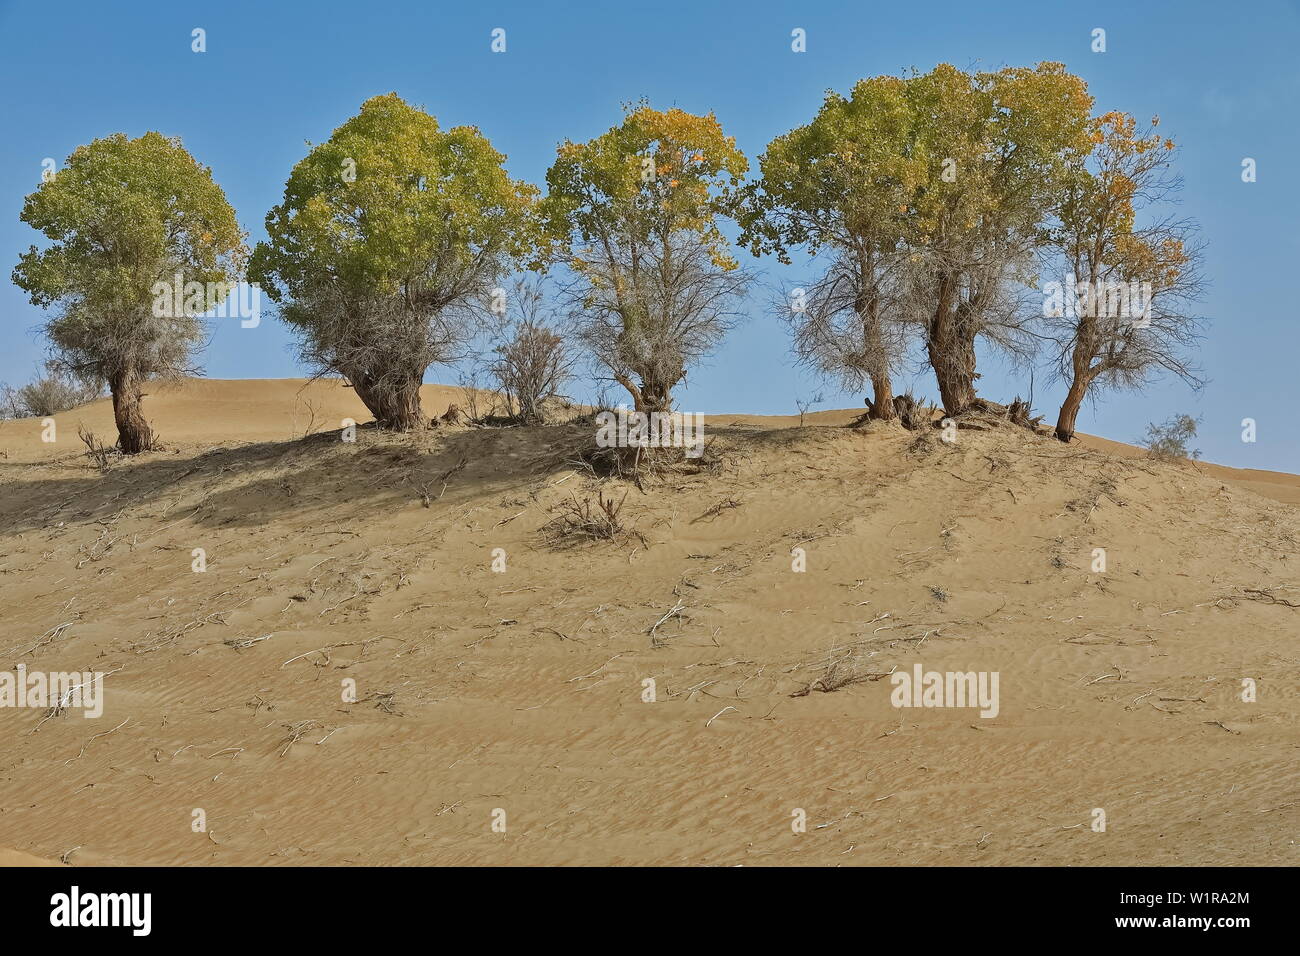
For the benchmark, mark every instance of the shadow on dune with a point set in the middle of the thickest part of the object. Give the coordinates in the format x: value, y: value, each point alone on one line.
x: 317, y: 477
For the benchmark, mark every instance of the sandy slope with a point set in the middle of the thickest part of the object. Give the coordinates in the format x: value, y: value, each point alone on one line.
x: 523, y: 690
x: 17, y: 858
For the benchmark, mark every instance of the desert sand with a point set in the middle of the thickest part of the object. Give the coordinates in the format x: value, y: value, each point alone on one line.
x: 482, y: 695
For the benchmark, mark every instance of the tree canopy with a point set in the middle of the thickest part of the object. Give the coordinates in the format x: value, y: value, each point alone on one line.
x: 121, y: 216
x: 634, y: 215
x: 389, y: 234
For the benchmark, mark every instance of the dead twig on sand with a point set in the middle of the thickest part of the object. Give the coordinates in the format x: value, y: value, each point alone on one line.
x: 82, y: 752
x: 329, y: 647
x: 510, y: 519
x: 49, y: 637
x: 383, y: 701
x: 241, y: 643
x: 719, y: 714
x: 717, y: 509
x: 674, y: 611
x: 297, y: 731
x: 1222, y: 726
x: 837, y: 677
x: 595, y: 672
x: 1267, y: 596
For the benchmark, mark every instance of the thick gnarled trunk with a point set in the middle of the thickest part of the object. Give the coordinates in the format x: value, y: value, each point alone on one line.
x: 882, y: 399
x: 649, y: 396
x: 953, y: 357
x: 656, y: 397
x: 951, y: 349
x: 395, y: 405
x: 133, y: 432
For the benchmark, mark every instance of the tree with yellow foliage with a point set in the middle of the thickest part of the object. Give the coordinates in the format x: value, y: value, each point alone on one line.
x: 932, y: 192
x: 386, y: 250
x: 633, y: 216
x: 1130, y: 271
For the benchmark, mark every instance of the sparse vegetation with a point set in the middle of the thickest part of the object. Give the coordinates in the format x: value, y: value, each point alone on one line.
x: 52, y: 391
x: 600, y: 519
x: 532, y: 360
x: 1169, y: 439
x: 914, y: 415
x: 100, y: 454
x: 805, y: 405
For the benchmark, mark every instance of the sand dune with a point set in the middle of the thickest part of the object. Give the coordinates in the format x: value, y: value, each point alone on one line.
x: 482, y: 695
x: 17, y: 858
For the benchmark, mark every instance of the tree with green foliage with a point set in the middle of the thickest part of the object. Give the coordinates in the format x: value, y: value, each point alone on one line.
x: 387, y: 246
x: 998, y: 147
x: 124, y: 216
x: 633, y: 215
x: 841, y: 188
x: 933, y: 191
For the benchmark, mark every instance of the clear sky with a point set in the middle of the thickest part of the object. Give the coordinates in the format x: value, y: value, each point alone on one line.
x: 276, y: 74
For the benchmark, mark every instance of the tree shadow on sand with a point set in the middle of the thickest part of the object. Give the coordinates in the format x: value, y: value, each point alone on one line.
x: 256, y: 484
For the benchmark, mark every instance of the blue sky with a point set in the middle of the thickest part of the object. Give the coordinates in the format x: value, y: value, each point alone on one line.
x: 1223, y: 78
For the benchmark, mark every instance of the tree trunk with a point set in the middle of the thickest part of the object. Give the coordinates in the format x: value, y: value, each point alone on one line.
x: 656, y: 397
x: 954, y: 367
x: 867, y: 306
x: 952, y: 355
x: 1069, y: 412
x: 882, y: 403
x: 651, y: 396
x: 627, y: 383
x: 394, y: 406
x: 1085, y: 344
x: 133, y: 432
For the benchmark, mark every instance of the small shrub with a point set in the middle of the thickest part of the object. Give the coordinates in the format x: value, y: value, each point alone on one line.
x: 914, y: 414
x: 1169, y: 439
x: 49, y: 393
x: 102, y: 455
x: 532, y: 359
x: 600, y: 520
x: 805, y: 405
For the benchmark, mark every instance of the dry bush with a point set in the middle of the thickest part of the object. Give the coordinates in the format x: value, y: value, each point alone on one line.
x: 484, y: 405
x: 579, y: 450
x: 53, y: 391
x: 840, y: 673
x: 1102, y: 486
x: 911, y: 413
x: 102, y: 455
x: 1019, y: 413
x: 926, y: 442
x: 531, y: 365
x: 598, y: 520
x: 532, y: 359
